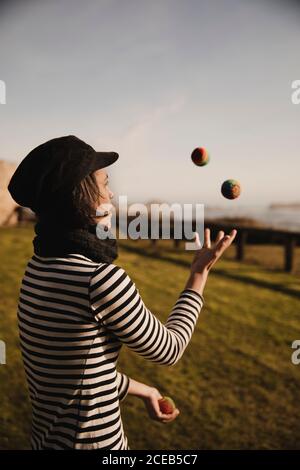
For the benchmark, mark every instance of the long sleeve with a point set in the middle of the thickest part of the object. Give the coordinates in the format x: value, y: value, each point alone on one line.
x: 116, y: 302
x: 123, y: 385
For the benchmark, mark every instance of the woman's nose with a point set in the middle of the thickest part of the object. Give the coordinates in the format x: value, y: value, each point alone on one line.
x: 111, y: 194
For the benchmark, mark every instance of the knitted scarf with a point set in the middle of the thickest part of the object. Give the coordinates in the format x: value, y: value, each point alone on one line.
x: 54, y: 240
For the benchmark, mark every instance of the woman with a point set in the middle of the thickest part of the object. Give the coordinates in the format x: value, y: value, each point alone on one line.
x: 77, y: 308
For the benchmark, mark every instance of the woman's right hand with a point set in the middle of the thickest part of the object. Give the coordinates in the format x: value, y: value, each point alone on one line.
x: 207, y: 255
x: 151, y: 400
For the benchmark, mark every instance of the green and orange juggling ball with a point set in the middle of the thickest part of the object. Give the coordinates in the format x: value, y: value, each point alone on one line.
x: 231, y: 189
x: 200, y: 156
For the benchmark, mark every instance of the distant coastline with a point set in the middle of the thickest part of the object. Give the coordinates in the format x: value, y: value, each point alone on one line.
x: 288, y: 205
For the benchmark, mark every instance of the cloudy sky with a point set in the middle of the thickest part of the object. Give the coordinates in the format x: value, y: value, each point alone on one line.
x: 152, y: 80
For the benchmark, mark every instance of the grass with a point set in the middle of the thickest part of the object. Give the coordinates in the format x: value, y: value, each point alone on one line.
x: 235, y: 385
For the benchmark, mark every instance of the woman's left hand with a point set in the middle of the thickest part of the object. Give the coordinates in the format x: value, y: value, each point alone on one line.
x: 152, y: 405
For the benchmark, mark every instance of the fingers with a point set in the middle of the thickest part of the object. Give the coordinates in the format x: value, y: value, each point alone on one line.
x: 197, y: 241
x: 207, y: 242
x: 232, y: 235
x: 225, y: 242
x: 156, y: 408
x: 167, y: 418
x: 219, y: 236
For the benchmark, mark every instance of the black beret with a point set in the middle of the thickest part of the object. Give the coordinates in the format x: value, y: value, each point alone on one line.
x: 53, y: 167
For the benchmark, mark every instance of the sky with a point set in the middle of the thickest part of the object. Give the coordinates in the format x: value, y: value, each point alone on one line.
x: 152, y: 80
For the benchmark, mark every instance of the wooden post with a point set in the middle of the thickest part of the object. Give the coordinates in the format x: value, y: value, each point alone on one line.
x: 290, y: 244
x: 177, y: 242
x: 240, y: 245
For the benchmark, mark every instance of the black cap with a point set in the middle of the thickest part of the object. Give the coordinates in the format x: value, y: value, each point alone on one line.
x: 53, y: 167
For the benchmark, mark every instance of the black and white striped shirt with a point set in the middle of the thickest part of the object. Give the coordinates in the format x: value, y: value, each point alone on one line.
x: 74, y: 316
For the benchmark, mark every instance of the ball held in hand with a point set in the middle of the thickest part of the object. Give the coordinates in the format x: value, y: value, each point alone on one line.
x: 166, y: 405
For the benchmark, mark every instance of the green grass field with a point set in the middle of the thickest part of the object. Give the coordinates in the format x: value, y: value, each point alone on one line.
x: 235, y: 385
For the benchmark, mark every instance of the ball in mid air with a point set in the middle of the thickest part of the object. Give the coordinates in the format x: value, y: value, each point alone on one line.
x: 231, y: 189
x: 166, y: 405
x: 200, y: 156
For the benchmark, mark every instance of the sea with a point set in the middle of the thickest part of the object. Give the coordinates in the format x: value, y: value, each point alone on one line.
x: 278, y: 217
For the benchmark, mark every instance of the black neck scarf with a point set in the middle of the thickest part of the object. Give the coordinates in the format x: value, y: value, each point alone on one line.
x: 54, y: 240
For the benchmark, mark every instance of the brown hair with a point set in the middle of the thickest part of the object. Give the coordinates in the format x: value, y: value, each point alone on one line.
x: 75, y: 208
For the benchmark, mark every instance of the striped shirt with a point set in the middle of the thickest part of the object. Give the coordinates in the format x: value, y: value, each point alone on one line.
x: 74, y: 315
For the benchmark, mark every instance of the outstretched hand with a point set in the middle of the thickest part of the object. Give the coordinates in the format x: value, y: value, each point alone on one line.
x: 207, y: 255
